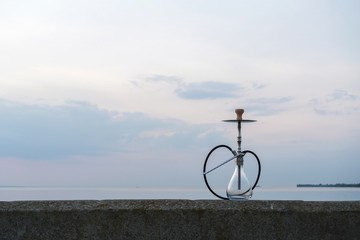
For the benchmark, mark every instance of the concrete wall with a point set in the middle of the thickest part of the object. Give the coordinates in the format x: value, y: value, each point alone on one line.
x: 179, y: 219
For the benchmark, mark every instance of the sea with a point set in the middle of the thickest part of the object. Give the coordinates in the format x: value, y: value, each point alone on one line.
x: 101, y: 193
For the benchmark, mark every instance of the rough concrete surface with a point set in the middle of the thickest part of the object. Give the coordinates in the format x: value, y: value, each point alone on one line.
x: 179, y: 219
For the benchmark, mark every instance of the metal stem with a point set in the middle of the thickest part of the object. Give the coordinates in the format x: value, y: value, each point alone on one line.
x: 239, y: 177
x: 239, y: 137
x: 239, y: 160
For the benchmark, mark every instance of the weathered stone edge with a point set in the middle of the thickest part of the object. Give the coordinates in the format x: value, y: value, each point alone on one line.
x: 163, y: 204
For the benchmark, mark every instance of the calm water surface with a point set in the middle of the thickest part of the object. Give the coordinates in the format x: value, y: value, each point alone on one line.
x: 41, y: 193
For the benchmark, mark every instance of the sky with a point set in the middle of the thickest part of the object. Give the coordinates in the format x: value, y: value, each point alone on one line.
x: 133, y: 93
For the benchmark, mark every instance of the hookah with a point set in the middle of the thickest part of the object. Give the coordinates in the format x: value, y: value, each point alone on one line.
x: 239, y: 187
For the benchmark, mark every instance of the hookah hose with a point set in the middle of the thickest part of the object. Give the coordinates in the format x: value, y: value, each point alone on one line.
x: 225, y: 146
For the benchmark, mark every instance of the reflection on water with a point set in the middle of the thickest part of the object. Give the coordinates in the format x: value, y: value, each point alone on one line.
x: 263, y: 193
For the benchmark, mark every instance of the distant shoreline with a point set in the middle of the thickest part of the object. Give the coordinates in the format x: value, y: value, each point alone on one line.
x: 329, y: 185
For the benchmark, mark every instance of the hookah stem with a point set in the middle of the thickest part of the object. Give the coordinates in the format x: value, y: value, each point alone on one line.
x: 239, y: 177
x: 239, y: 151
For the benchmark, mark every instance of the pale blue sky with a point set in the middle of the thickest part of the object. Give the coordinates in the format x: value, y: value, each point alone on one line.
x: 132, y: 93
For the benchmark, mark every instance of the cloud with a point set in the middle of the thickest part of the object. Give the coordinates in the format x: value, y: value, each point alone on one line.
x: 207, y: 90
x: 267, y: 106
x: 342, y: 94
x: 339, y: 102
x: 258, y: 86
x: 326, y: 112
x: 78, y: 128
x: 42, y: 131
x: 271, y: 100
x: 197, y: 90
x: 163, y: 78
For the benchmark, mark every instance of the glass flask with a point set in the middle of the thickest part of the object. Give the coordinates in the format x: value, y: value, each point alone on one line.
x: 239, y: 187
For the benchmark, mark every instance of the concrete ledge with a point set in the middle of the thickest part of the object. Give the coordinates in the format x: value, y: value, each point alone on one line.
x: 179, y: 219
